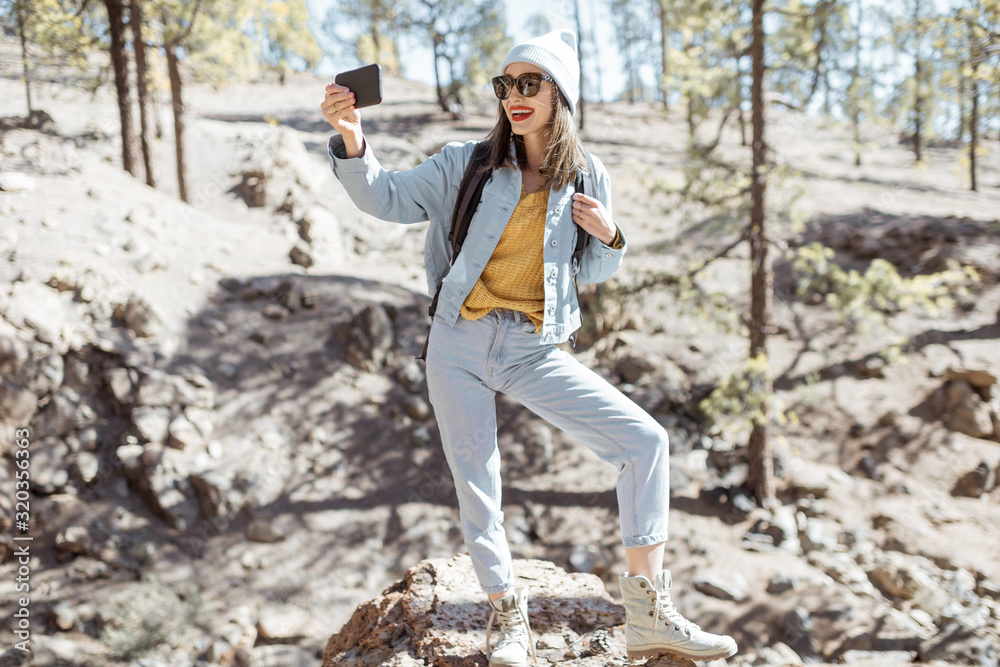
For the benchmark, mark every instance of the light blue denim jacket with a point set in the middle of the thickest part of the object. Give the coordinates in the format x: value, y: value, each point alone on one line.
x: 428, y: 192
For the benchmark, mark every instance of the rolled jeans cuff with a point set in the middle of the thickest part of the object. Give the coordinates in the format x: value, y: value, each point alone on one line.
x: 643, y: 541
x: 499, y: 588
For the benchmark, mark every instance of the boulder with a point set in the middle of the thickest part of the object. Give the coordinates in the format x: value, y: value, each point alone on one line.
x: 75, y: 539
x: 980, y: 379
x: 632, y: 367
x: 964, y: 410
x: 151, y: 423
x: 284, y: 622
x: 139, y: 316
x: 67, y: 411
x: 367, y: 338
x: 320, y: 228
x: 260, y: 530
x: 976, y: 482
x: 13, y: 350
x: 731, y: 586
x: 777, y: 654
x: 899, y: 576
x: 300, y: 256
x: 35, y: 306
x: 17, y: 405
x: 121, y: 383
x: 50, y: 462
x: 782, y: 583
x: 410, y: 375
x: 156, y: 388
x: 416, y: 407
x: 437, y: 615
x: 184, y: 434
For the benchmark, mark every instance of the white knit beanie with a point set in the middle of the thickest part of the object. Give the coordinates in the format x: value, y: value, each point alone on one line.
x: 554, y: 52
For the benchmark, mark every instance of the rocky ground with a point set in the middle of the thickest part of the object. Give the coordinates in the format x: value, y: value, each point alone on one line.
x: 231, y: 446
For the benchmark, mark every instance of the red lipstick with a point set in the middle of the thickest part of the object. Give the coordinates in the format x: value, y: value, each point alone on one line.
x: 518, y: 113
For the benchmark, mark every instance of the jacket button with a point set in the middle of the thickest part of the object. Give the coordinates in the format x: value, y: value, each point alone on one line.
x: 554, y: 242
x: 608, y: 255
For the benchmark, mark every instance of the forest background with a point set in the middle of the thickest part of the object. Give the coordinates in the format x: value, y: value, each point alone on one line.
x: 920, y: 76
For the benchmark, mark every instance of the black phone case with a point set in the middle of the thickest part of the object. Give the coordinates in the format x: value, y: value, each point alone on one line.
x: 366, y: 84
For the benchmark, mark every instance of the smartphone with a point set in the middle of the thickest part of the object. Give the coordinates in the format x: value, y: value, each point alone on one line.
x: 366, y: 84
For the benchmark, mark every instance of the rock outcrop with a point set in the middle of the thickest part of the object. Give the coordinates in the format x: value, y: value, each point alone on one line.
x: 437, y: 615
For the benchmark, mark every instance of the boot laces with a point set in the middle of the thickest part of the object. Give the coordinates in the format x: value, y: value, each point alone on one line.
x: 665, y: 611
x: 514, y: 628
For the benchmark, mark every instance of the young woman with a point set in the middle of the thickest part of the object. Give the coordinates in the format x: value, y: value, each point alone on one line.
x: 503, y: 306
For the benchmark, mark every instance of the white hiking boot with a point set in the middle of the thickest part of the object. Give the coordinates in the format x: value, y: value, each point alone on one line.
x: 515, y: 640
x: 654, y: 626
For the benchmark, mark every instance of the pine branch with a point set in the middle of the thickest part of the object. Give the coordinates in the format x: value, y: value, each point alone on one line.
x: 719, y: 255
x: 176, y: 41
x: 669, y: 279
x: 83, y: 7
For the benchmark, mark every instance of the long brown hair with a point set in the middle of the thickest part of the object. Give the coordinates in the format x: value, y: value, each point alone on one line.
x: 563, y: 156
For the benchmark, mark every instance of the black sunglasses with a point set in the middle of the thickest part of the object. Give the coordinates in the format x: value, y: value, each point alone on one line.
x: 528, y: 84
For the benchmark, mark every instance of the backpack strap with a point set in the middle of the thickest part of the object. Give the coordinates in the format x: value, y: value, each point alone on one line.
x: 582, y: 236
x: 469, y: 193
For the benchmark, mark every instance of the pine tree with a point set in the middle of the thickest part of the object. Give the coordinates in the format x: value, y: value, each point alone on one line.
x: 760, y: 478
x: 859, y: 100
x: 376, y: 24
x: 972, y: 23
x: 666, y: 18
x: 280, y: 28
x: 141, y: 79
x: 632, y: 28
x: 119, y: 64
x: 20, y: 12
x: 911, y: 33
x: 468, y: 36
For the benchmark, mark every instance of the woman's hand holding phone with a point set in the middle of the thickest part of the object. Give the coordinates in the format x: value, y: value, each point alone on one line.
x: 338, y: 110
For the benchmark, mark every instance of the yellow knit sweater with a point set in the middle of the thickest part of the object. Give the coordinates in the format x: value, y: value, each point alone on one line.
x: 514, y: 276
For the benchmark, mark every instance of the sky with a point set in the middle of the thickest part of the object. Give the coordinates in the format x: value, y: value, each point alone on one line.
x: 596, y: 21
x: 559, y: 13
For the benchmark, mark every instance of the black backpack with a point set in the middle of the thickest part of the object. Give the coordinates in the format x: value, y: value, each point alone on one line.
x: 469, y: 194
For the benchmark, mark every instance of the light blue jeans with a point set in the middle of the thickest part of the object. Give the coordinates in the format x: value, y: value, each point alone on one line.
x: 468, y: 363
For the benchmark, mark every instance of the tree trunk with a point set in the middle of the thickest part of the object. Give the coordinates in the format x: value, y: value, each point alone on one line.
x: 140, y: 78
x: 827, y: 93
x: 157, y: 121
x: 119, y: 63
x: 960, y: 136
x: 437, y: 74
x: 973, y: 123
x: 743, y: 127
x: 739, y: 106
x: 664, y: 34
x: 760, y: 476
x: 692, y: 126
x: 597, y: 53
x: 917, y: 103
x: 579, y: 57
x: 22, y: 31
x: 173, y: 68
x: 856, y: 97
